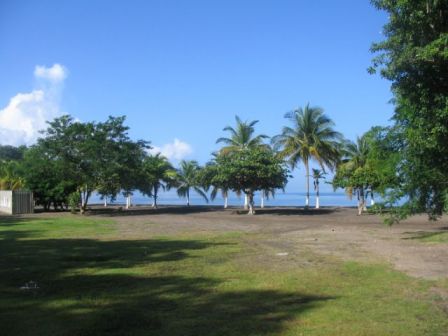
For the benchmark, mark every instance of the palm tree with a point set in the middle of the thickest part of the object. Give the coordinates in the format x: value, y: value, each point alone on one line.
x: 355, y: 155
x: 224, y: 193
x: 311, y: 136
x: 317, y: 175
x: 241, y: 137
x: 265, y: 195
x: 10, y: 178
x: 187, y: 178
x: 158, y: 173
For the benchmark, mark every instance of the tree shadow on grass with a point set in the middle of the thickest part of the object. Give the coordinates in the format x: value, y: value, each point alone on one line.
x: 422, y: 235
x: 184, y: 210
x: 283, y: 211
x: 92, y: 287
x: 117, y: 211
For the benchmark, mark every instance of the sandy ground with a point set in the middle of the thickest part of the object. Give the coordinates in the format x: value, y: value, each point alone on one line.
x: 289, y: 231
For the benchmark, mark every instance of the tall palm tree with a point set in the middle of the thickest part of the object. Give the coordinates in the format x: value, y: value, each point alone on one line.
x: 355, y: 155
x: 310, y: 136
x: 317, y: 175
x: 158, y: 174
x: 241, y: 137
x: 187, y: 178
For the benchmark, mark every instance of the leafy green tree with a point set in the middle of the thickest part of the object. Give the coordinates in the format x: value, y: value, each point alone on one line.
x: 47, y: 177
x: 11, y: 153
x: 158, y: 174
x: 188, y: 177
x: 414, y: 57
x: 94, y: 156
x: 249, y: 170
x: 310, y: 136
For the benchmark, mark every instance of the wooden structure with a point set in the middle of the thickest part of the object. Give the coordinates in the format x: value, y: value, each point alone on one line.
x: 15, y: 202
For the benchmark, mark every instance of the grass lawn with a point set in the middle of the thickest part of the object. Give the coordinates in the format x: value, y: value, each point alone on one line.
x: 92, y: 282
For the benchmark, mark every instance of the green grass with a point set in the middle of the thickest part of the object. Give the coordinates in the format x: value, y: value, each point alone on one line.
x: 92, y: 282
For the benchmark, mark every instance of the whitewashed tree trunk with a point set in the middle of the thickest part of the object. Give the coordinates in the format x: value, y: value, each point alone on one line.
x: 226, y: 201
x: 262, y: 200
x: 361, y: 202
x: 128, y: 201
x: 317, y: 202
x: 105, y: 201
x: 307, y: 201
x: 251, y: 204
x: 246, y: 202
x: 372, y: 199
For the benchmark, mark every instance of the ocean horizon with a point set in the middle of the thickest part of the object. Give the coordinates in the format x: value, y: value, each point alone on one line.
x: 280, y: 199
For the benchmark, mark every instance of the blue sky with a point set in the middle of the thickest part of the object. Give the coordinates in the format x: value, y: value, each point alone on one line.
x: 183, y: 69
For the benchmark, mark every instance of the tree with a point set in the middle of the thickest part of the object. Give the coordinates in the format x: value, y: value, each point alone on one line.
x: 158, y: 173
x: 414, y: 57
x: 311, y: 136
x: 10, y: 175
x: 242, y: 136
x: 206, y: 180
x: 317, y: 175
x: 188, y: 178
x: 249, y: 170
x: 11, y: 153
x: 47, y: 177
x: 93, y: 156
x: 368, y: 165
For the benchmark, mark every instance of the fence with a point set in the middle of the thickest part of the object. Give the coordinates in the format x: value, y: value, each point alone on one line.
x: 15, y: 202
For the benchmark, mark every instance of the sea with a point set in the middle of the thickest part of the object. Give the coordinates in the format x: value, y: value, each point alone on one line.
x: 280, y: 199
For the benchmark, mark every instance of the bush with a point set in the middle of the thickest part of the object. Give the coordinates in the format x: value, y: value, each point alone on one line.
x: 73, y: 201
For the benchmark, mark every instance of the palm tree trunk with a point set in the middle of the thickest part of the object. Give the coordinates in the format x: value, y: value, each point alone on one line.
x: 188, y: 197
x: 154, y: 205
x: 262, y: 199
x: 317, y: 197
x: 307, y: 168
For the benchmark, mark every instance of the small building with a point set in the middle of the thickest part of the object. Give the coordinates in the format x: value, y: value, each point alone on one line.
x: 15, y: 202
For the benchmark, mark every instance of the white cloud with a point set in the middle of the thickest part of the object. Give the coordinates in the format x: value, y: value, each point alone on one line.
x: 27, y: 113
x: 57, y: 73
x: 176, y: 150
